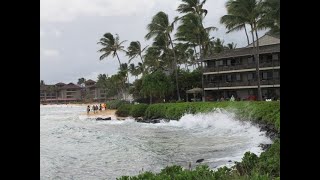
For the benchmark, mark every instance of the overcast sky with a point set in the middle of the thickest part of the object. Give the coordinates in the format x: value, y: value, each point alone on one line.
x: 70, y: 30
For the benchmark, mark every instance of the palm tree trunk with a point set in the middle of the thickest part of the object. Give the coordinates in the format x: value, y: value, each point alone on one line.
x: 256, y: 57
x: 176, y: 71
x: 142, y: 64
x: 118, y: 59
x: 258, y: 63
x: 245, y: 30
x: 124, y: 84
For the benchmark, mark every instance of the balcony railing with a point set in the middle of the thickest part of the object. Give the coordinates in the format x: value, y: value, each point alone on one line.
x: 208, y: 84
x: 241, y: 66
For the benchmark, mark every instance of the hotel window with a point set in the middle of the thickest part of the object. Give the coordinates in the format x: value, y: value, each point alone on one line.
x: 238, y: 77
x: 229, y: 78
x: 275, y: 56
x: 238, y: 61
x: 269, y: 58
x: 229, y: 62
x: 251, y: 76
x: 219, y: 63
x: 264, y: 75
x: 250, y: 60
x: 276, y: 74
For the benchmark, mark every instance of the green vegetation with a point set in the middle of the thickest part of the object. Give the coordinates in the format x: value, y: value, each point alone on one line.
x: 265, y: 167
x: 181, y: 51
x: 124, y: 110
x: 138, y: 110
x: 115, y: 104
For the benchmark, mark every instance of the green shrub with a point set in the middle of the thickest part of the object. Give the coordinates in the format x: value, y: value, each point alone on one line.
x: 124, y: 110
x: 138, y: 110
x: 115, y: 104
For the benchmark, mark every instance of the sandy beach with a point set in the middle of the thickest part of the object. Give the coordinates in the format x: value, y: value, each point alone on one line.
x: 108, y: 112
x: 104, y: 113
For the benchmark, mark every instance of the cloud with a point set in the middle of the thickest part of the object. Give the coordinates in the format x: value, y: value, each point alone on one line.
x: 68, y: 10
x: 49, y: 52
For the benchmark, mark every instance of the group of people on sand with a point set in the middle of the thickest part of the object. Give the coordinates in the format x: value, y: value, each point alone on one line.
x: 96, y: 108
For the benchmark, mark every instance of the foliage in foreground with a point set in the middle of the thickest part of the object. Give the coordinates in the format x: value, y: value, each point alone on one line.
x: 265, y: 167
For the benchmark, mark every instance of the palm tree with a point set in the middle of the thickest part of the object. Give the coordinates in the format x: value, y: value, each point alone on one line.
x: 135, y: 50
x: 218, y: 46
x: 270, y: 16
x: 160, y: 27
x: 81, y: 81
x: 136, y: 70
x: 249, y: 12
x: 234, y: 23
x: 231, y: 46
x: 111, y: 45
x: 192, y: 6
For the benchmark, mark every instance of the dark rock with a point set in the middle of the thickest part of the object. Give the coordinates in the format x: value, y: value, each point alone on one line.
x: 229, y: 161
x: 155, y: 121
x: 199, y: 160
x: 103, y: 119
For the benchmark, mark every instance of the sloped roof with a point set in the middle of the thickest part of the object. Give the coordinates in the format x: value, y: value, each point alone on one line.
x: 90, y: 81
x: 70, y: 86
x: 60, y: 84
x: 46, y: 87
x: 267, y: 39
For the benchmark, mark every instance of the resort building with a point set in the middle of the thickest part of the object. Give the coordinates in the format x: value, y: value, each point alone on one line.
x: 233, y: 72
x: 60, y: 93
x: 93, y: 92
x: 66, y: 93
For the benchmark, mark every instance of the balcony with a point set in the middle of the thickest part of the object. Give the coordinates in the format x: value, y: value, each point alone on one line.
x: 208, y: 84
x: 242, y: 66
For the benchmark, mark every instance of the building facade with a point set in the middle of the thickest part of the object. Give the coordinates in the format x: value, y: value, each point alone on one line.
x: 93, y: 92
x: 233, y: 72
x: 60, y: 93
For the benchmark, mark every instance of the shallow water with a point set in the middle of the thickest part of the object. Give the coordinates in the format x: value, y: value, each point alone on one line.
x: 75, y: 147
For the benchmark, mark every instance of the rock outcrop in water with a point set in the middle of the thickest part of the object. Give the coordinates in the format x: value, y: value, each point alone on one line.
x: 103, y: 119
x: 141, y: 120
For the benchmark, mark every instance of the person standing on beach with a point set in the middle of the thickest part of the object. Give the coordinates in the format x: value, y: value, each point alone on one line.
x: 100, y: 108
x: 93, y: 109
x: 88, y: 109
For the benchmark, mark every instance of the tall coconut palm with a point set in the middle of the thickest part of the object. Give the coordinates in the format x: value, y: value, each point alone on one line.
x: 270, y: 16
x: 161, y: 27
x: 249, y: 11
x: 111, y: 45
x: 153, y: 60
x: 192, y: 6
x: 192, y: 31
x: 134, y: 50
x: 234, y: 23
x: 136, y: 70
